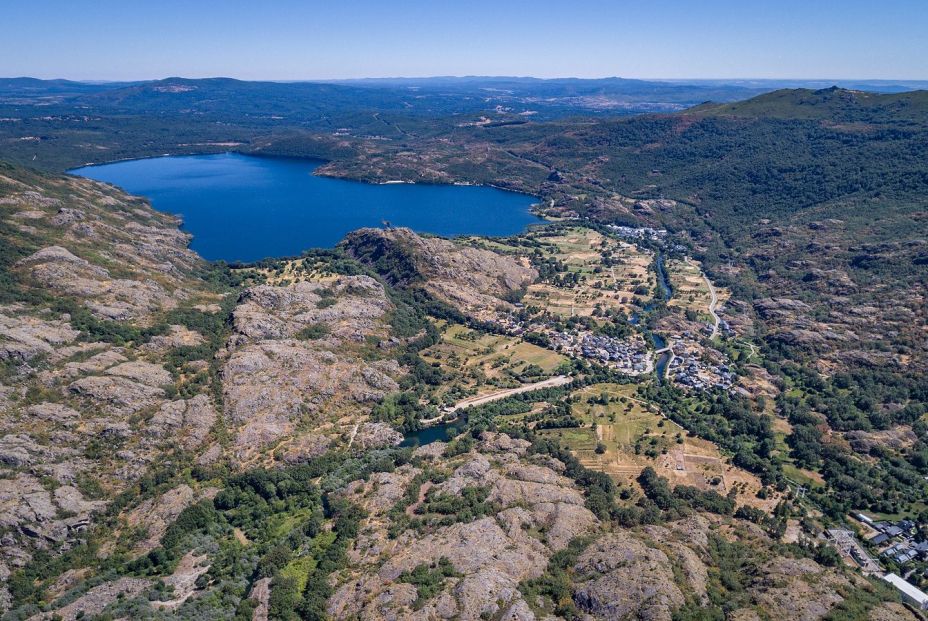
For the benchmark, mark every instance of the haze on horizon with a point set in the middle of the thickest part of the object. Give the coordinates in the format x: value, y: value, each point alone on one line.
x: 293, y: 40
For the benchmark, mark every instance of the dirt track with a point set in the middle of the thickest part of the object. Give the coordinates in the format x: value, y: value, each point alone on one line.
x: 559, y: 380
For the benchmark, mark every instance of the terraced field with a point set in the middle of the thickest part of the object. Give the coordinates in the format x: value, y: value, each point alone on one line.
x: 690, y: 287
x: 480, y: 363
x: 632, y: 435
x: 610, y: 273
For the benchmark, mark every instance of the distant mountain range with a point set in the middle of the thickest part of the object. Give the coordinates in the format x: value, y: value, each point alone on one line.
x: 541, y: 98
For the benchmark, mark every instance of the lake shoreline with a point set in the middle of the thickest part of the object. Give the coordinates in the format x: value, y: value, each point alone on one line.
x: 243, y: 208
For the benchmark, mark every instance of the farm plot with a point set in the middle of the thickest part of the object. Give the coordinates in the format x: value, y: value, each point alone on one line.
x: 478, y: 363
x: 690, y: 288
x: 593, y: 270
x: 622, y: 435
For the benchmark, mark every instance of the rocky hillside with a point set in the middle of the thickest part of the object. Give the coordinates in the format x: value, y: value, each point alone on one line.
x: 295, y: 365
x: 179, y: 440
x: 501, y: 531
x: 123, y: 355
x: 476, y: 281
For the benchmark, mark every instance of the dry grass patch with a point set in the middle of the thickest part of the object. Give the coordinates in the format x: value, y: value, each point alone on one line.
x: 480, y: 363
x: 584, y: 252
x: 634, y: 435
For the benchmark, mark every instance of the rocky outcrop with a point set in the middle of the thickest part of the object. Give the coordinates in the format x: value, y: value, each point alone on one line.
x: 376, y: 435
x: 291, y: 359
x: 93, y: 602
x: 474, y: 280
x: 798, y: 589
x: 24, y: 337
x: 177, y: 336
x: 620, y: 577
x: 349, y: 308
x: 271, y: 386
x: 186, y: 423
x: 59, y: 270
x: 492, y: 554
x: 117, y: 393
x: 43, y: 518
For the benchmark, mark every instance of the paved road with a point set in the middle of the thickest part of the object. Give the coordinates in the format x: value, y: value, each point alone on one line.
x: 712, y: 305
x: 713, y: 302
x: 559, y: 380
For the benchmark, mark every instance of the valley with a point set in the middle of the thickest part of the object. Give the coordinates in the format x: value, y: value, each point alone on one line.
x: 664, y: 400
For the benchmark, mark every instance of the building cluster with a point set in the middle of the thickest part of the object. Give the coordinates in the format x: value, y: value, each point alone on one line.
x: 897, y: 542
x: 629, y: 232
x: 629, y: 356
x: 690, y: 367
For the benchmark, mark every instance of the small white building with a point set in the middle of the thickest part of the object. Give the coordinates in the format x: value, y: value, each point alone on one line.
x: 911, y: 593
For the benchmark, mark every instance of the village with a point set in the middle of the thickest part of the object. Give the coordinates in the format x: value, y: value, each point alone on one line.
x: 595, y: 292
x: 628, y: 356
x: 696, y: 367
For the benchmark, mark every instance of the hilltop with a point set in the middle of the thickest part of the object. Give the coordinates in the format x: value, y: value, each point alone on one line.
x: 832, y: 104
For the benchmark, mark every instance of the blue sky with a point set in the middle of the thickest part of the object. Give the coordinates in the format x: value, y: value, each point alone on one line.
x: 293, y: 40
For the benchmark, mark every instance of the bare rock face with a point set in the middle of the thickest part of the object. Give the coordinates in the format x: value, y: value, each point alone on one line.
x: 492, y: 554
x: 185, y: 422
x: 349, y: 308
x: 377, y: 435
x: 270, y: 386
x: 92, y: 603
x: 19, y: 450
x: 59, y: 270
x: 117, y: 393
x: 23, y: 337
x: 799, y: 589
x: 54, y: 413
x: 619, y: 577
x: 491, y: 562
x: 475, y: 280
x: 32, y: 516
x: 142, y: 372
x: 97, y: 363
x: 177, y: 336
x: 23, y: 499
x: 277, y: 376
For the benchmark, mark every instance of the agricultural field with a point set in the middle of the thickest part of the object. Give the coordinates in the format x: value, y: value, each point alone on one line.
x: 690, y: 288
x: 477, y: 363
x: 632, y: 434
x: 599, y: 271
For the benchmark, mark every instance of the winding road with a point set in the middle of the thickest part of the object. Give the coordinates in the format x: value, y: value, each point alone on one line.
x: 712, y: 304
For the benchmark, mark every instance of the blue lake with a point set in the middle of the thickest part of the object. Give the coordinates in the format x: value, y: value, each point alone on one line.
x: 245, y: 208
